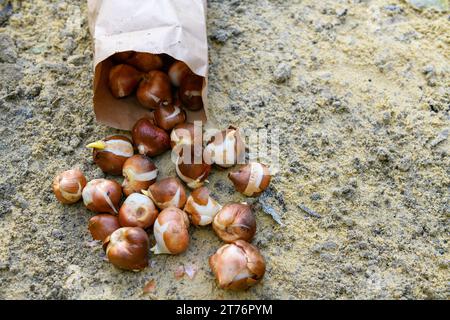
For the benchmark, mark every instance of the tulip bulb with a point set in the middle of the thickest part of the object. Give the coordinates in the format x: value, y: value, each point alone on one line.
x: 237, y: 266
x: 122, y: 57
x: 184, y: 136
x: 251, y: 179
x: 139, y: 172
x: 226, y: 148
x: 137, y: 211
x: 123, y: 80
x: 168, y: 192
x: 149, y: 139
x: 235, y: 221
x: 145, y: 61
x: 127, y: 248
x: 68, y: 186
x: 201, y: 207
x: 102, y: 225
x: 190, y: 92
x: 167, y: 117
x: 101, y: 195
x: 154, y: 90
x: 111, y: 153
x: 171, y: 232
x: 177, y: 71
x: 192, y: 169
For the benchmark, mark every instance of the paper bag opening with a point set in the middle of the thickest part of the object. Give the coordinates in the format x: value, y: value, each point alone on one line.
x: 173, y: 27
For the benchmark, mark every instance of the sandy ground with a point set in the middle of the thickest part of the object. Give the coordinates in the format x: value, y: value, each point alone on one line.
x: 360, y: 92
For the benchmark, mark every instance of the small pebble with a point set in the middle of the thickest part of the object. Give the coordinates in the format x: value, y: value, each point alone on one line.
x: 282, y: 73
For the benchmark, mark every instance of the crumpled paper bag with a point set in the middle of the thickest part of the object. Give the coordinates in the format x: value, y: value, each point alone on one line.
x: 173, y: 27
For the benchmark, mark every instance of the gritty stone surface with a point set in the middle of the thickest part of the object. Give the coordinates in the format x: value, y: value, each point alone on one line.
x: 364, y: 116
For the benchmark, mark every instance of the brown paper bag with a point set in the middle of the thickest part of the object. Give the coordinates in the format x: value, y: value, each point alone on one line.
x: 173, y: 27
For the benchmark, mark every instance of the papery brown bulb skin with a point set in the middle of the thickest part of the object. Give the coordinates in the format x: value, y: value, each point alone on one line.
x: 139, y: 172
x: 122, y: 57
x: 235, y: 221
x: 111, y: 153
x: 102, y: 195
x: 68, y: 186
x: 137, y: 211
x: 123, y: 80
x: 190, y: 92
x: 171, y: 231
x: 127, y: 248
x: 145, y: 62
x: 167, y: 117
x: 102, y: 225
x: 201, y: 207
x: 177, y: 71
x: 168, y: 192
x: 192, y: 170
x: 252, y: 179
x: 184, y: 136
x: 225, y: 148
x: 237, y: 266
x: 154, y: 90
x: 149, y: 139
